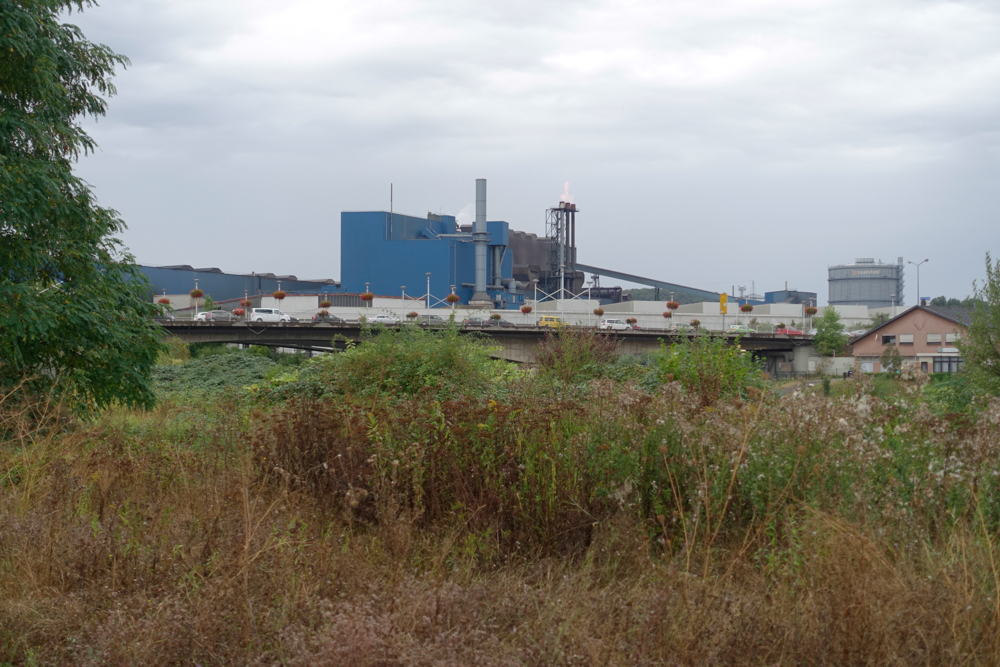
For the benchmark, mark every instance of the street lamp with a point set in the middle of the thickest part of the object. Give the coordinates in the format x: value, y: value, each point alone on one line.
x: 428, y: 290
x: 893, y: 297
x: 403, y: 288
x: 917, y: 264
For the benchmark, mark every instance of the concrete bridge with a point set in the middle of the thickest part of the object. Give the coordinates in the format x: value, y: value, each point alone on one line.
x: 515, y: 344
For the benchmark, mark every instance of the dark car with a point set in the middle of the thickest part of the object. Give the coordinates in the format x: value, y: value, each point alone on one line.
x: 486, y: 322
x: 330, y: 319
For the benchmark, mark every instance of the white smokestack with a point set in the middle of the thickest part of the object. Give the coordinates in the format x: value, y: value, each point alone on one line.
x: 480, y: 238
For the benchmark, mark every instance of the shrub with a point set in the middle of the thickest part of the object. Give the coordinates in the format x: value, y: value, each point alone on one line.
x: 574, y: 355
x: 708, y: 368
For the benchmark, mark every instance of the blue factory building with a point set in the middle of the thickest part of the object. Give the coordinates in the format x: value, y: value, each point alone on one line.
x: 388, y: 250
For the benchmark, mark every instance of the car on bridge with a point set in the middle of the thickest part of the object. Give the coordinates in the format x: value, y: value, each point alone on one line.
x: 269, y: 315
x: 485, y: 322
x: 550, y: 321
x: 331, y: 319
x: 788, y: 331
x: 613, y: 324
x: 381, y: 318
x: 214, y: 316
x: 431, y: 321
x: 740, y: 329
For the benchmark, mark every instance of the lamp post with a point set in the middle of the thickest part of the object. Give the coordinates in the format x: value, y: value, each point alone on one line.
x: 428, y: 290
x: 893, y: 297
x: 403, y: 288
x: 917, y: 264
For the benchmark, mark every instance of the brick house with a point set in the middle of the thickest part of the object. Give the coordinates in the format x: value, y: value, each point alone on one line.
x: 924, y: 335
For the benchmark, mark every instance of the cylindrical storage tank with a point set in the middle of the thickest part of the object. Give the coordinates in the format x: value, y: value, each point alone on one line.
x: 866, y: 283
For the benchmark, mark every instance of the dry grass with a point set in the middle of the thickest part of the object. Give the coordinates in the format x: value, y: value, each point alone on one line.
x: 625, y: 529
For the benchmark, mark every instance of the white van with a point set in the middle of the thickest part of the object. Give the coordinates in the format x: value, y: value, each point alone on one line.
x: 268, y: 315
x: 614, y: 325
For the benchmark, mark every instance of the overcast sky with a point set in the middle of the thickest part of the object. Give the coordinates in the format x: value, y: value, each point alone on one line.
x: 706, y: 143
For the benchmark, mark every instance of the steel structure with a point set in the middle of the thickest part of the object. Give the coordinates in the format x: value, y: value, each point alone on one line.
x: 560, y: 229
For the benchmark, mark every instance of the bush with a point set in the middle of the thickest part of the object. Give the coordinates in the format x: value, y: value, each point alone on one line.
x: 708, y: 368
x: 574, y: 355
x: 400, y: 362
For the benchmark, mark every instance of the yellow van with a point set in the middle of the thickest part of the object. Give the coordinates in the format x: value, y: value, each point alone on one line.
x: 551, y: 321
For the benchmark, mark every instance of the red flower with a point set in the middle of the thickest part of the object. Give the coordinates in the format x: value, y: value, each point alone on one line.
x: 695, y: 323
x: 667, y: 314
x: 412, y: 315
x: 525, y: 309
x: 325, y: 304
x: 746, y: 308
x: 323, y: 313
x: 673, y: 305
x: 367, y: 296
x: 246, y: 303
x: 238, y: 312
x: 279, y: 295
x: 197, y: 294
x: 811, y: 310
x: 164, y: 300
x: 631, y: 320
x: 451, y: 298
x: 598, y: 311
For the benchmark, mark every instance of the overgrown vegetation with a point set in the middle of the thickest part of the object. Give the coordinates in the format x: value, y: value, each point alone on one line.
x: 411, y: 501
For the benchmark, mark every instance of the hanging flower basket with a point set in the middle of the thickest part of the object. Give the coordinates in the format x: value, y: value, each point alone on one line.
x: 246, y: 303
x: 324, y: 313
x: 695, y: 324
x: 164, y: 300
x: 811, y: 310
x: 495, y: 317
x: 367, y: 296
x: 746, y: 308
x: 631, y: 320
x: 412, y: 315
x: 197, y: 293
x: 673, y: 305
x: 667, y: 314
x: 781, y: 325
x: 238, y: 312
x: 598, y: 311
x: 279, y: 295
x: 325, y: 304
x: 526, y: 309
x: 451, y: 298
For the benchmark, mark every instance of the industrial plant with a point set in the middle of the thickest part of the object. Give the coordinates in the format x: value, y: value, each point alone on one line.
x: 485, y: 265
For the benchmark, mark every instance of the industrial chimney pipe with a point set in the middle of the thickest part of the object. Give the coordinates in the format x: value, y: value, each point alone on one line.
x: 480, y: 239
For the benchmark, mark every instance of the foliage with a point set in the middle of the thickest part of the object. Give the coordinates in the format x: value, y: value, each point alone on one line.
x: 708, y: 368
x: 967, y: 302
x: 830, y: 340
x: 877, y: 320
x: 950, y: 394
x: 891, y: 360
x: 399, y: 362
x: 213, y: 370
x: 74, y: 309
x: 980, y: 346
x: 573, y: 355
x: 208, y: 303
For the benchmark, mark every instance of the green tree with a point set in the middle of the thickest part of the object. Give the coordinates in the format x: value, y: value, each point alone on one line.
x: 829, y: 340
x: 891, y: 360
x: 74, y: 309
x: 208, y: 304
x: 980, y: 347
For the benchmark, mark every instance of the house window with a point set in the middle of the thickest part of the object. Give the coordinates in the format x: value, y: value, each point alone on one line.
x: 906, y: 339
x: 933, y: 338
x: 950, y: 338
x: 923, y: 366
x: 889, y: 339
x: 947, y: 364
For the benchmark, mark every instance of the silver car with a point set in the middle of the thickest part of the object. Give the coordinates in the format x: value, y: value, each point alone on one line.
x: 214, y: 316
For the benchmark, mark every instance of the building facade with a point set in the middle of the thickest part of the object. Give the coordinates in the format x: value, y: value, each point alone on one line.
x: 924, y: 335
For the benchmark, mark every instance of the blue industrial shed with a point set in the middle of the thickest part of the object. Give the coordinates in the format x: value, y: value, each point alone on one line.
x: 388, y: 250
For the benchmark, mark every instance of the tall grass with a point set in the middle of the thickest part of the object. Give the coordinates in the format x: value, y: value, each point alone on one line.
x: 337, y: 518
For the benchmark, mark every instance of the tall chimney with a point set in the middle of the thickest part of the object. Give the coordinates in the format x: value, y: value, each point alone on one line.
x: 480, y: 239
